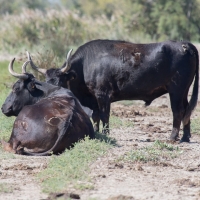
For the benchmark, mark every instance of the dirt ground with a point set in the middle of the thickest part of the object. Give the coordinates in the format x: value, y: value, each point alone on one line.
x: 177, y: 178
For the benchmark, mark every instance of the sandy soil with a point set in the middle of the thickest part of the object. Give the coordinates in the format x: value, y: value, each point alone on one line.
x: 18, y: 174
x: 177, y: 178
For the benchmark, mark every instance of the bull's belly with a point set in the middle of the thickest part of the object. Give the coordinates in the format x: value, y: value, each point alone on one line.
x: 145, y: 95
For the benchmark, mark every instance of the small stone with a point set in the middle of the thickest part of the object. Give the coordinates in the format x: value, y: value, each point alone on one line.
x: 139, y: 168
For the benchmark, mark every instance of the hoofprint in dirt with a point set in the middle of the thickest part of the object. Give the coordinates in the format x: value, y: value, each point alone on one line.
x: 177, y: 178
x: 17, y: 180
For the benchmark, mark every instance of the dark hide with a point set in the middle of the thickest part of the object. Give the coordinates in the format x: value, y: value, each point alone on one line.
x: 49, y: 126
x: 51, y: 118
x: 28, y: 92
x: 106, y: 71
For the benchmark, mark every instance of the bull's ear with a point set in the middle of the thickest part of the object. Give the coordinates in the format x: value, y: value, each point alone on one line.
x: 31, y: 86
x: 71, y: 75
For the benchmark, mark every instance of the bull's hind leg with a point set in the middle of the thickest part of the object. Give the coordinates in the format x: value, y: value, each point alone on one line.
x: 186, y: 124
x: 186, y: 132
x: 178, y: 92
x: 178, y: 111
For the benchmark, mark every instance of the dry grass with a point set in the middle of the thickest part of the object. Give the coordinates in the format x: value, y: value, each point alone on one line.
x: 58, y: 31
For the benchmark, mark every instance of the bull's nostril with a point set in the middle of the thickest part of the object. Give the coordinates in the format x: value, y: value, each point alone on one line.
x: 2, y: 108
x: 6, y: 110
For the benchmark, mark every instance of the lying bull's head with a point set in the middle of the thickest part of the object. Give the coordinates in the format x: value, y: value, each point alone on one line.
x: 56, y: 76
x: 22, y: 91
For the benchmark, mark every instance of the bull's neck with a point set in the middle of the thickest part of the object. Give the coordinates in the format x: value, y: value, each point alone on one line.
x: 44, y: 90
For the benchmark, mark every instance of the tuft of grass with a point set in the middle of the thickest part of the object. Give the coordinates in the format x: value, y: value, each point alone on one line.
x: 105, y: 138
x: 159, y: 151
x: 72, y: 167
x: 195, y: 126
x: 165, y: 146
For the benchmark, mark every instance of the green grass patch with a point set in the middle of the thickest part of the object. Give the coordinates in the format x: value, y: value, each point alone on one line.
x: 159, y: 151
x: 72, y: 167
x: 6, y: 124
x: 117, y: 122
x: 105, y: 138
x: 5, y: 155
x: 195, y: 126
x: 6, y: 188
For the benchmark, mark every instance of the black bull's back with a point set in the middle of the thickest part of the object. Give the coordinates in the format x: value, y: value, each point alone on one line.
x: 51, y: 125
x: 132, y: 71
x: 109, y: 71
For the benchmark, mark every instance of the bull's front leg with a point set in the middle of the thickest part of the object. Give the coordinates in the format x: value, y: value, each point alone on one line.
x: 175, y: 131
x: 96, y: 120
x: 105, y: 120
x: 104, y: 111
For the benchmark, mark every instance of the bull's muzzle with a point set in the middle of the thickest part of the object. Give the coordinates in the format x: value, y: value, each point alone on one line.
x: 7, y: 110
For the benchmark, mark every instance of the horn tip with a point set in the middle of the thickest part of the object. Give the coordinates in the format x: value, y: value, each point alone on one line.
x: 28, y: 55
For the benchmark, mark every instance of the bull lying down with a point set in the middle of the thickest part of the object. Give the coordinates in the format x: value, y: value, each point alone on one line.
x: 49, y: 118
x: 109, y: 71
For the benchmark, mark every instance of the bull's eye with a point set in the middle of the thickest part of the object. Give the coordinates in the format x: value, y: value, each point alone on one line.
x: 33, y: 86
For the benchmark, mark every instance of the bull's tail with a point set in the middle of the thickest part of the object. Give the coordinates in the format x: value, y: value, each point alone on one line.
x: 63, y: 131
x: 194, y: 98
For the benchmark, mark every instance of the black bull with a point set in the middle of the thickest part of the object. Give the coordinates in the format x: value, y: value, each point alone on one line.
x: 50, y: 118
x: 104, y: 71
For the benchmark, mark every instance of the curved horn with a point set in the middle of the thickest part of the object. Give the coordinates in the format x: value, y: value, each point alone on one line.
x: 66, y: 65
x: 24, y: 66
x: 10, y: 69
x: 42, y: 71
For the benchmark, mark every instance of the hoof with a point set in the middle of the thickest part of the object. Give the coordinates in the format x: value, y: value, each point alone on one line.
x: 105, y: 131
x: 184, y: 140
x: 96, y: 129
x: 173, y: 140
